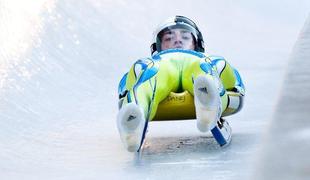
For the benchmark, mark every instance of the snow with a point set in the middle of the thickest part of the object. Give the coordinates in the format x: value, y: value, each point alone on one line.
x: 60, y: 63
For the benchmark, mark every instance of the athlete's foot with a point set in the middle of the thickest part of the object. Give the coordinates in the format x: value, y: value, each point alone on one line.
x: 130, y: 124
x: 207, y: 102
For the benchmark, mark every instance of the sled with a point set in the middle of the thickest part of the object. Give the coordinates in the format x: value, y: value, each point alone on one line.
x: 180, y: 106
x: 177, y: 106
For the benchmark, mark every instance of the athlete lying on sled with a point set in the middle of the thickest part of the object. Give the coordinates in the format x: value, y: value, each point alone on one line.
x: 179, y: 81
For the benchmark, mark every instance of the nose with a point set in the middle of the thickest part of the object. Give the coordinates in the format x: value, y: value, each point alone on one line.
x: 178, y: 39
x: 178, y: 42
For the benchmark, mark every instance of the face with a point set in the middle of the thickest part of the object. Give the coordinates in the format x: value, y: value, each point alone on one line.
x: 177, y: 39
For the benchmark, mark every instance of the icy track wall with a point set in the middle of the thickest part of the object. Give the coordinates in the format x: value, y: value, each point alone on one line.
x: 54, y: 88
x: 286, y: 152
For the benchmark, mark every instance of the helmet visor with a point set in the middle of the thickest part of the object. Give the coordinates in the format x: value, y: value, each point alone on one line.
x: 177, y: 36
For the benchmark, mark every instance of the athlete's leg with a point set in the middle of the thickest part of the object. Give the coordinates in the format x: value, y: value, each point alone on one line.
x: 131, y: 119
x: 232, y: 83
x: 148, y: 83
x: 203, y: 82
x: 210, y: 98
x: 167, y: 80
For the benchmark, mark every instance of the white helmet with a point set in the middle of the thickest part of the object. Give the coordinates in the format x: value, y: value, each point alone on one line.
x: 177, y: 22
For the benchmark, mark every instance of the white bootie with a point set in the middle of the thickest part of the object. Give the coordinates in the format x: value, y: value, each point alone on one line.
x: 207, y: 102
x: 130, y: 124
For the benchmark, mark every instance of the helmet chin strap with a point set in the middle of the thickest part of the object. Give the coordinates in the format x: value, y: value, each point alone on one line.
x: 153, y: 48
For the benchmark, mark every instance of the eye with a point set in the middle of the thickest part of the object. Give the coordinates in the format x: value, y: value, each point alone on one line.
x: 167, y: 37
x: 186, y: 36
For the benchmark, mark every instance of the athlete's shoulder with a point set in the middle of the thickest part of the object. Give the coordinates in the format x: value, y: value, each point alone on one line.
x: 214, y: 57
